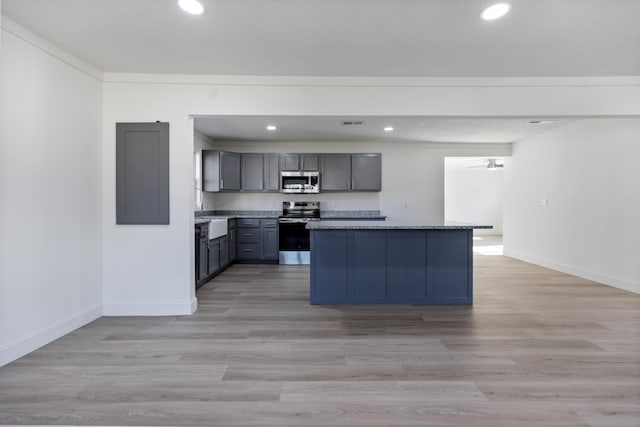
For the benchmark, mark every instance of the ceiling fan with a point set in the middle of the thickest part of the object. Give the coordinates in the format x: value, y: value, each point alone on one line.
x: 491, y: 164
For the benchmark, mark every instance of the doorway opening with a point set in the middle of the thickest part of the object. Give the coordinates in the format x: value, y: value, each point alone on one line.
x: 473, y: 193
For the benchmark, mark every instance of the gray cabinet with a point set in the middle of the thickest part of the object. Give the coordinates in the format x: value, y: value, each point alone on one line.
x: 392, y: 266
x: 269, y: 237
x: 224, y: 251
x: 202, y: 253
x: 214, y: 256
x: 233, y: 240
x: 366, y: 172
x: 336, y: 172
x: 260, y: 172
x: 220, y: 171
x: 257, y: 240
x: 248, y: 239
x: 271, y: 172
x: 299, y: 162
x: 351, y: 172
x: 252, y: 172
x: 449, y: 266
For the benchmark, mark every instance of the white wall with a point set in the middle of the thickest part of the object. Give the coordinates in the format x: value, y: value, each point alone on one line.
x: 50, y: 214
x: 150, y: 270
x: 589, y: 172
x: 473, y: 195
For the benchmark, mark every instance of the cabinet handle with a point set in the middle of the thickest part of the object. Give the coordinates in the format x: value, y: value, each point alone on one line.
x: 247, y: 250
x: 221, y: 183
x: 247, y: 235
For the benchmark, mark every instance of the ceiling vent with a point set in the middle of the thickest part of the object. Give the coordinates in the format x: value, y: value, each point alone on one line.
x: 351, y: 123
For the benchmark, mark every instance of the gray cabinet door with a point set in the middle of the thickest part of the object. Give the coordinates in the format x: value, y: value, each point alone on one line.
x: 203, y: 258
x: 214, y: 256
x: 224, y: 251
x: 329, y: 267
x: 289, y: 162
x: 269, y: 239
x: 142, y: 173
x: 229, y: 171
x: 220, y: 171
x: 336, y: 172
x: 233, y: 239
x: 407, y: 265
x: 449, y: 266
x: 368, y: 272
x: 309, y: 162
x: 271, y: 171
x: 366, y: 172
x: 299, y: 162
x: 252, y: 172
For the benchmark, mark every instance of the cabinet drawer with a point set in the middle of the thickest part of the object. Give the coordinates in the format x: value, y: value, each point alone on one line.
x: 268, y: 223
x: 248, y: 235
x: 248, y: 250
x: 248, y: 222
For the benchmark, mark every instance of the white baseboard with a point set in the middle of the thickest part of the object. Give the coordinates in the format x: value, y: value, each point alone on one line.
x: 154, y: 308
x: 34, y: 340
x: 616, y: 282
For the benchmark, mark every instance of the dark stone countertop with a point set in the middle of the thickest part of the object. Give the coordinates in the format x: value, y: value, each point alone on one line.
x: 390, y: 225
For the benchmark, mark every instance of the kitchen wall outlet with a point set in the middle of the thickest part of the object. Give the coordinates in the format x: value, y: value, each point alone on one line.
x: 544, y: 201
x: 406, y: 205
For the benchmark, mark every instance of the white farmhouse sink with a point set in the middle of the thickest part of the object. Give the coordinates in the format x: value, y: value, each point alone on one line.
x: 217, y: 228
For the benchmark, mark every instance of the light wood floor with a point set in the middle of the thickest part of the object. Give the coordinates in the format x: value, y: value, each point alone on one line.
x: 538, y: 348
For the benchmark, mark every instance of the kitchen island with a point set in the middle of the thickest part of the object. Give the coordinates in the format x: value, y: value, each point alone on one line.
x: 391, y: 262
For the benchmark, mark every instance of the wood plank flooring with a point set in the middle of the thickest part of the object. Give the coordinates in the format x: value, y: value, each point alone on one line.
x: 538, y: 348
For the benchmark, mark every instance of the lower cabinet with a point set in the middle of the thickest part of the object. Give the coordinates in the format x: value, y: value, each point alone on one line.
x: 214, y: 256
x: 202, y: 253
x: 269, y: 237
x: 391, y: 267
x: 224, y: 251
x: 250, y: 240
x: 257, y: 240
x: 233, y: 240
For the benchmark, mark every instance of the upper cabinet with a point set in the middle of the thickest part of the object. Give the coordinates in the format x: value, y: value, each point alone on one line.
x: 336, y: 172
x: 252, y: 177
x: 366, y: 172
x: 260, y: 172
x: 220, y: 171
x: 271, y: 172
x: 351, y: 172
x: 299, y: 162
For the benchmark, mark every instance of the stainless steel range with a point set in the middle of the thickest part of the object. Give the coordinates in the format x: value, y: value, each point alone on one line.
x: 294, y: 237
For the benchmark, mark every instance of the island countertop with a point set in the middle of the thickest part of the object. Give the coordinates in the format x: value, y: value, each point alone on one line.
x: 391, y: 225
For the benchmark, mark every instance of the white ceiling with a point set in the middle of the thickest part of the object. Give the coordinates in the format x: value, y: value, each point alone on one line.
x: 329, y: 128
x: 426, y: 38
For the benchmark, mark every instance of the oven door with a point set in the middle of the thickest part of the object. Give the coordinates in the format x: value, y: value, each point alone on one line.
x: 294, y: 242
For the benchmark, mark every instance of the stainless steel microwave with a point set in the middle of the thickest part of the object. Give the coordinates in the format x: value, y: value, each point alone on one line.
x: 300, y: 182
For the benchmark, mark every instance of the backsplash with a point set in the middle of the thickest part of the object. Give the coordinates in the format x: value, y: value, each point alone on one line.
x: 273, y: 214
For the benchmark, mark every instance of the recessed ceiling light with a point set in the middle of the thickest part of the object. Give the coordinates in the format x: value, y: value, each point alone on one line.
x: 271, y: 127
x: 495, y: 11
x: 388, y: 129
x: 193, y: 7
